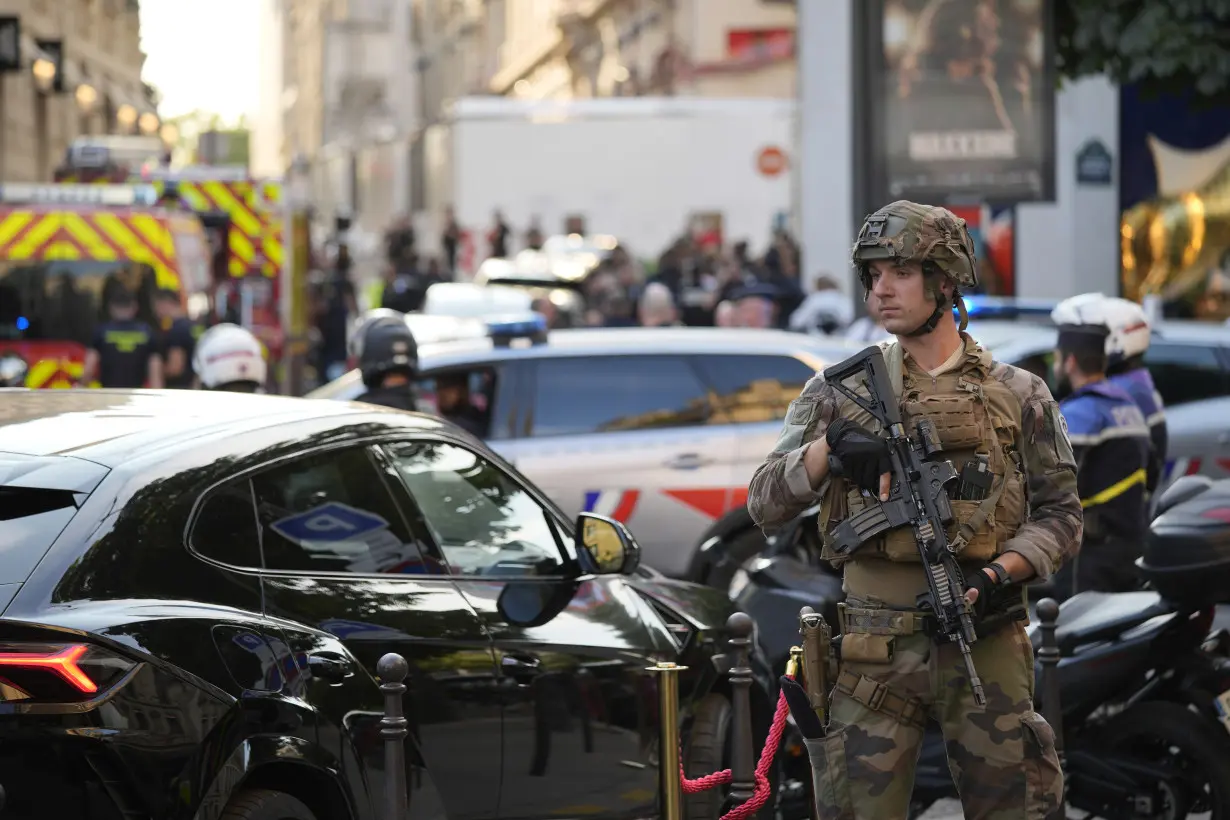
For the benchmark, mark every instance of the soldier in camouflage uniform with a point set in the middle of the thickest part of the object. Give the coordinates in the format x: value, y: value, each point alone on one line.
x: 915, y: 260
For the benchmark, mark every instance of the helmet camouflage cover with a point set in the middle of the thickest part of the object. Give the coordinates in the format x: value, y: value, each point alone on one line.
x: 906, y: 231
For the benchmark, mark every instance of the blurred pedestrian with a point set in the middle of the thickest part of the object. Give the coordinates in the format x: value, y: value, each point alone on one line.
x: 826, y: 311
x: 334, y: 306
x: 406, y: 291
x: 657, y: 307
x: 450, y: 238
x: 724, y: 314
x: 399, y: 240
x: 533, y: 235
x: 497, y: 238
x: 179, y: 338
x: 755, y: 307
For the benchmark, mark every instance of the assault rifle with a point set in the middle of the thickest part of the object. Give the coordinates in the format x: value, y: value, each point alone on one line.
x: 919, y: 499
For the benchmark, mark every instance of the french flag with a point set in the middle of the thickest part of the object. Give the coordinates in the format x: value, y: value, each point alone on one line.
x: 1176, y: 467
x: 617, y: 504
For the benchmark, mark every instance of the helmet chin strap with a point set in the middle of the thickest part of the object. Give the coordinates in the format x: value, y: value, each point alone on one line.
x: 940, y: 307
x: 933, y: 320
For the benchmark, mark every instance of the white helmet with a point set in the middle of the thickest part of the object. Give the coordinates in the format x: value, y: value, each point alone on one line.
x: 228, y: 353
x: 1127, y: 321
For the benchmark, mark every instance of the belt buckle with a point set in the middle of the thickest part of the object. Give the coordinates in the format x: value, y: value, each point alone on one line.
x: 878, y: 690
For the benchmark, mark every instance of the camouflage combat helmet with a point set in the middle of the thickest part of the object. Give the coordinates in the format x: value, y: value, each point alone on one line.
x: 933, y: 236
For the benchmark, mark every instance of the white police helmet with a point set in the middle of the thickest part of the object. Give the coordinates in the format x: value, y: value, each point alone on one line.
x: 228, y: 353
x: 1130, y: 332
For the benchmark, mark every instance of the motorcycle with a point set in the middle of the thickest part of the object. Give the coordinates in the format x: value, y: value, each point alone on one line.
x: 1144, y: 680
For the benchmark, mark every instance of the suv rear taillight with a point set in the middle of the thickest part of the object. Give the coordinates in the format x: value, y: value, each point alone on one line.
x: 58, y: 673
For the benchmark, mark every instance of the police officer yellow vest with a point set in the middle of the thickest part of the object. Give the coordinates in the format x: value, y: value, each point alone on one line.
x: 975, y: 414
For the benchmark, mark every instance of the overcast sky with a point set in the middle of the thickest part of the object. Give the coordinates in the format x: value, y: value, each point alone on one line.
x: 203, y: 54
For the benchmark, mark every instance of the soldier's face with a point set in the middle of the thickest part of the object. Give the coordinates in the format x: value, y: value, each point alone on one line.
x: 899, y: 292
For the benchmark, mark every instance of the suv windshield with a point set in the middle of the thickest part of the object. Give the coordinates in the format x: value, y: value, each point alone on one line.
x: 63, y: 299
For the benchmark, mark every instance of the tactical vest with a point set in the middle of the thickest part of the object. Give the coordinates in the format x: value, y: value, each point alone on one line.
x: 974, y: 414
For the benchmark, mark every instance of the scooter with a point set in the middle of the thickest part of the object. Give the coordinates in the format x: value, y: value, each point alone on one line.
x: 1144, y: 684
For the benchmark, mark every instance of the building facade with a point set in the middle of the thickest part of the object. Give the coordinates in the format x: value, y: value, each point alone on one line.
x: 364, y: 81
x: 604, y: 48
x: 92, y: 86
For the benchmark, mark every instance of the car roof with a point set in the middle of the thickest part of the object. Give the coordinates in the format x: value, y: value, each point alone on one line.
x: 621, y: 341
x: 998, y: 335
x: 110, y: 426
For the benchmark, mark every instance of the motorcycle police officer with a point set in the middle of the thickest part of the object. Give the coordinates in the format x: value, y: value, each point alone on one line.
x: 1126, y: 345
x: 388, y: 360
x: 1000, y: 426
x: 229, y: 358
x: 1112, y: 447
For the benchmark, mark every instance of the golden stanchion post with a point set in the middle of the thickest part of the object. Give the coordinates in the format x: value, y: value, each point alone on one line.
x: 670, y: 790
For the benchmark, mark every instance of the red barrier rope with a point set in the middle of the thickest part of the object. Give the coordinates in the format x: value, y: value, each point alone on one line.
x: 760, y: 795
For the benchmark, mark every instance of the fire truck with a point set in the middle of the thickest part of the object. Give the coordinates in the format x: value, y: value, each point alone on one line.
x: 64, y: 247
x: 242, y: 216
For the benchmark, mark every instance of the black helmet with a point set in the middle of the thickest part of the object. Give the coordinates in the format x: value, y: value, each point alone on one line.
x: 387, y: 346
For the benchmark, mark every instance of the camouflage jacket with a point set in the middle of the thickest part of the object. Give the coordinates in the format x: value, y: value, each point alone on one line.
x: 1051, y: 533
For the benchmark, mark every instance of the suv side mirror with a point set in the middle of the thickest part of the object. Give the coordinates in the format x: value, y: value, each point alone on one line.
x: 607, y: 548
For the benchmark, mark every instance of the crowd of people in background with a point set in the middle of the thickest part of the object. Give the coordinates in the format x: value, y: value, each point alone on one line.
x: 697, y: 281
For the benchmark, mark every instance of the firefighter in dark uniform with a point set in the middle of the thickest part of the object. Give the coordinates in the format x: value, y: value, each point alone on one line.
x: 179, y: 339
x: 388, y: 361
x: 124, y: 351
x: 1111, y: 442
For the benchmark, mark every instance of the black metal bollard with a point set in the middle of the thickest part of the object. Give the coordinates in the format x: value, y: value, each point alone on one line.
x: 742, y: 753
x: 392, y: 669
x: 1048, y: 656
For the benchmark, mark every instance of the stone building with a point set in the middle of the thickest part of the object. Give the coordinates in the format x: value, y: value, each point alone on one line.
x: 602, y: 48
x: 99, y: 70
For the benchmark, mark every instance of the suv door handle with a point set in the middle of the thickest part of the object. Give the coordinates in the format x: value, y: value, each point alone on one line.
x: 687, y: 461
x: 329, y: 667
x: 519, y: 666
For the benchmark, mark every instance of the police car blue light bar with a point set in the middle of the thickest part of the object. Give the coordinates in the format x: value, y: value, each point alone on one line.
x: 532, y: 325
x: 1000, y: 307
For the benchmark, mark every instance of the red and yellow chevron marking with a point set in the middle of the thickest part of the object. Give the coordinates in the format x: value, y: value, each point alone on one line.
x: 255, y: 209
x: 102, y: 235
x: 55, y: 374
x: 252, y: 207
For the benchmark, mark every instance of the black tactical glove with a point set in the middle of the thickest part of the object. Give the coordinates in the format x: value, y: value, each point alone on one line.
x: 861, y: 454
x: 800, y: 708
x: 987, y: 588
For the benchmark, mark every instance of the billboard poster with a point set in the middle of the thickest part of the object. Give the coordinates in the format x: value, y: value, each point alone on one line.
x: 962, y: 94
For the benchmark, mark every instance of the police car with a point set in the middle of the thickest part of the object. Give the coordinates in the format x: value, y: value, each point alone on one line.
x: 660, y: 428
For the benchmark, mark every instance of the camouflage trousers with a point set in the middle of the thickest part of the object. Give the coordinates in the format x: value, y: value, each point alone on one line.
x: 892, y: 678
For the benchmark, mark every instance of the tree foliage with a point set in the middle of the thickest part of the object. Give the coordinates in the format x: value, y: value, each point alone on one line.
x: 1163, y: 46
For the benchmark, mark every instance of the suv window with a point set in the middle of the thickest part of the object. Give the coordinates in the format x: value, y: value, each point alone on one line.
x: 603, y: 394
x: 31, y: 520
x: 332, y: 512
x: 753, y: 388
x: 1185, y: 373
x: 226, y: 529
x: 484, y: 522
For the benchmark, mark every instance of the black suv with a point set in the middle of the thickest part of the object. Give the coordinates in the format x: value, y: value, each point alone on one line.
x: 196, y: 587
